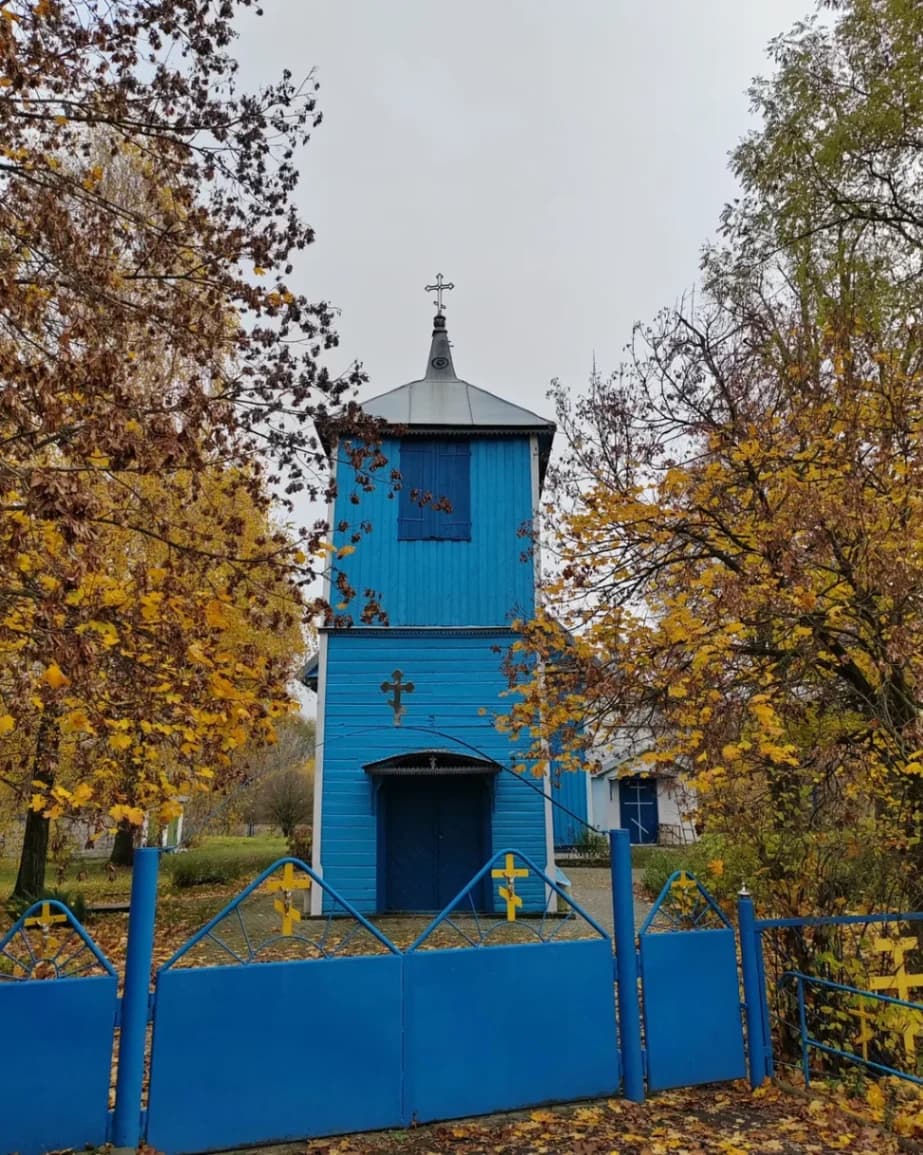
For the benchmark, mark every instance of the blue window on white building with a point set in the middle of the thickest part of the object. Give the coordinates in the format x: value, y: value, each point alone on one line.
x: 435, y: 496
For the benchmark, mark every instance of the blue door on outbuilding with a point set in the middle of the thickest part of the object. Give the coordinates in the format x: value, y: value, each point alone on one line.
x: 433, y: 837
x: 638, y: 808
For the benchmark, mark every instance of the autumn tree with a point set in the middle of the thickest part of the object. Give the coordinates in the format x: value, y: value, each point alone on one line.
x: 191, y: 656
x: 287, y: 799
x: 255, y: 770
x: 283, y: 775
x: 147, y: 344
x: 741, y: 552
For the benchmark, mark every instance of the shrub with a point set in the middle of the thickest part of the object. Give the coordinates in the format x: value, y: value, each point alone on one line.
x: 75, y: 902
x: 593, y: 844
x: 218, y: 866
x: 721, y: 866
x: 300, y: 843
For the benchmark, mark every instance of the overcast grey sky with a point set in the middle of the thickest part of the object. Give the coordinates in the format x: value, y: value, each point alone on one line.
x: 561, y: 161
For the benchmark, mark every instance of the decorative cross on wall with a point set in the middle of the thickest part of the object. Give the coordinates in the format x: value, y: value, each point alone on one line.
x: 439, y: 288
x: 398, y: 687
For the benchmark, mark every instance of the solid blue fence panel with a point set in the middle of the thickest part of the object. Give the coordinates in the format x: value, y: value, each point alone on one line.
x: 274, y: 1051
x: 502, y: 1027
x: 692, y: 1010
x: 55, y: 1063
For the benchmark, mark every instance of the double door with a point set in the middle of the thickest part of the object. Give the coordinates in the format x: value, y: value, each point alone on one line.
x: 433, y: 837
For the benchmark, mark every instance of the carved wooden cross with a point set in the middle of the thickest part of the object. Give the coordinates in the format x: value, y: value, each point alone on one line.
x: 439, y: 288
x: 398, y: 687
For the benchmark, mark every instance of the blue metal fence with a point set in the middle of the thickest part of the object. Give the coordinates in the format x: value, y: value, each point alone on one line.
x: 58, y: 1007
x: 488, y: 1013
x: 243, y: 1055
x: 286, y: 1049
x: 269, y: 1025
x: 692, y: 1005
x: 815, y: 994
x: 248, y: 1051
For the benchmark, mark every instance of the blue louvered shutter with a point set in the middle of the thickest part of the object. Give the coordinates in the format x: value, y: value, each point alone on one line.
x: 416, y: 479
x: 453, y: 482
x: 443, y: 470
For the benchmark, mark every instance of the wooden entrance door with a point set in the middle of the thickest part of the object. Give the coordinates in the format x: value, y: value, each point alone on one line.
x: 433, y: 837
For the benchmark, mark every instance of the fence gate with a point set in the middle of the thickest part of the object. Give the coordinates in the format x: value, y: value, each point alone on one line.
x: 268, y: 1027
x: 58, y: 1007
x: 691, y: 996
x: 518, y: 1011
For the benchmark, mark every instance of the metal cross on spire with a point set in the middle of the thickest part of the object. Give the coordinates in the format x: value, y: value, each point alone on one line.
x: 439, y: 288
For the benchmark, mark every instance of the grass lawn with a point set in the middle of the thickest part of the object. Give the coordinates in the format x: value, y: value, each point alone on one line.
x: 192, y: 881
x: 641, y: 856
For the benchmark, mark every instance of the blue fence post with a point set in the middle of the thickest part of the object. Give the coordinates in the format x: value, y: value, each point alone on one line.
x: 126, y: 1123
x: 626, y: 959
x: 803, y: 1026
x: 750, y: 947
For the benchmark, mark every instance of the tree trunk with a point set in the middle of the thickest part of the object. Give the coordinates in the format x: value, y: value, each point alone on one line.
x: 123, y: 848
x: 30, y: 881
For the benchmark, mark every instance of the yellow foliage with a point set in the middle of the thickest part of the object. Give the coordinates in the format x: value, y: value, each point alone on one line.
x: 875, y: 1097
x: 134, y: 815
x: 55, y: 677
x: 77, y: 722
x: 216, y: 614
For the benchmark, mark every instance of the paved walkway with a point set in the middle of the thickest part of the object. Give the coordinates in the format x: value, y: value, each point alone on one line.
x: 591, y: 888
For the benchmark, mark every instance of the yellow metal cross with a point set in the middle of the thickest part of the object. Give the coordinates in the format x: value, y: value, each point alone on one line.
x: 509, y: 873
x: 900, y: 982
x: 45, y: 920
x: 866, y: 1034
x: 287, y: 884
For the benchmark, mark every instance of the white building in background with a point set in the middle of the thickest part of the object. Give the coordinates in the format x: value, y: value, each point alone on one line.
x: 654, y: 804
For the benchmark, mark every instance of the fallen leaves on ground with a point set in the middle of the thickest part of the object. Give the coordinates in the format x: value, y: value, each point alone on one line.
x: 724, y: 1120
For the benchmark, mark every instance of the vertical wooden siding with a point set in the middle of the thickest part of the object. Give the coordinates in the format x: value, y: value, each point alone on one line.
x: 454, y: 677
x: 569, y: 788
x: 480, y: 582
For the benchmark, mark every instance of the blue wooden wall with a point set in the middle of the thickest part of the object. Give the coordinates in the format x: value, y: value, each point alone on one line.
x: 455, y: 674
x: 569, y: 787
x: 481, y: 582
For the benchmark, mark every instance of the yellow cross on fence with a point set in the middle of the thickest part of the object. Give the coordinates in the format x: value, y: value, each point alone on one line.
x: 509, y: 874
x: 900, y: 982
x: 865, y: 1032
x: 287, y: 884
x: 44, y: 921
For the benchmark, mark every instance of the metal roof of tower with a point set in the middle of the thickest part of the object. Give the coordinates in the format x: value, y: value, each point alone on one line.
x: 441, y: 402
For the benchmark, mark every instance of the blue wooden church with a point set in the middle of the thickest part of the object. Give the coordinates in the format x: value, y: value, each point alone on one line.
x: 415, y: 788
